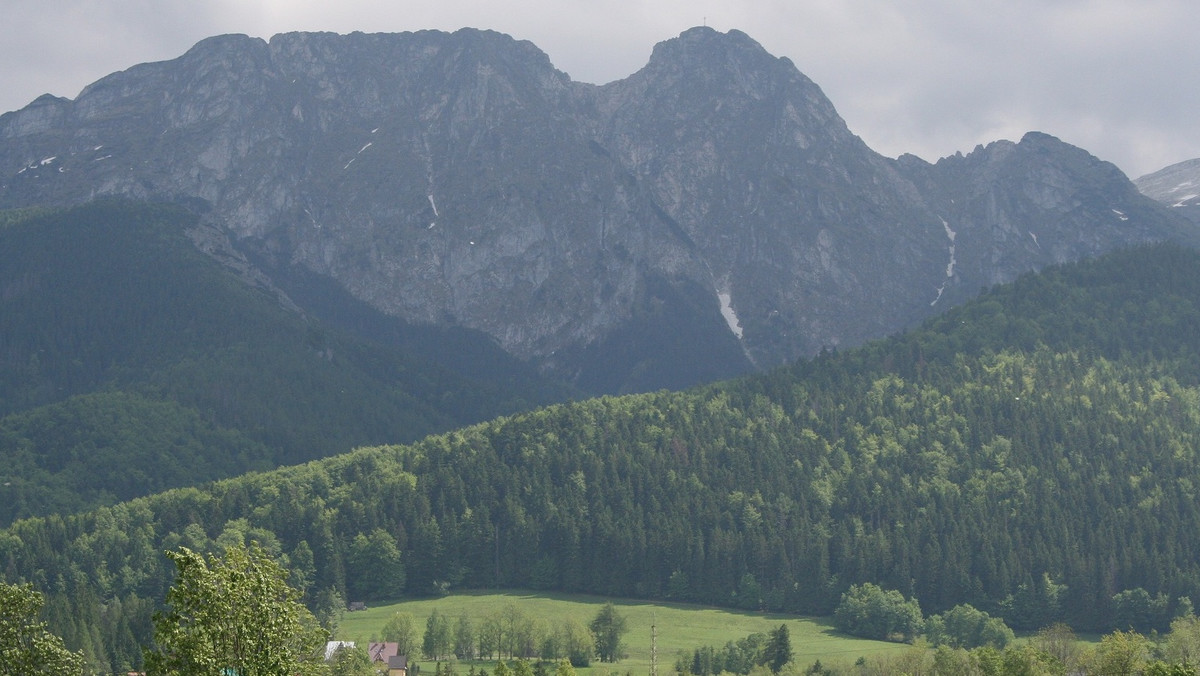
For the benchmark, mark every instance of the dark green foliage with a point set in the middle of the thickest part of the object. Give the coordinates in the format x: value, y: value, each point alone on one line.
x: 1135, y: 609
x: 871, y: 612
x: 374, y: 569
x: 1032, y: 454
x: 778, y: 651
x: 773, y: 650
x: 608, y: 626
x: 675, y: 339
x: 130, y: 362
x: 964, y: 626
x: 1035, y: 605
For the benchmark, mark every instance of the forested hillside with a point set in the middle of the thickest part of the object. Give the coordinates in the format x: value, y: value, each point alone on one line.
x: 130, y: 362
x: 1033, y: 453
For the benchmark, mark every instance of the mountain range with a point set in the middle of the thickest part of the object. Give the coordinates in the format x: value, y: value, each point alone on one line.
x: 708, y: 215
x: 266, y: 252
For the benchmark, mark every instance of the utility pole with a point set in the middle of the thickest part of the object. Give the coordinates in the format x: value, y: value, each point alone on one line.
x: 653, y: 647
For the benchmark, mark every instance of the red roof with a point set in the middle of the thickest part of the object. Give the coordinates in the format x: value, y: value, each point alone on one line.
x: 382, y: 652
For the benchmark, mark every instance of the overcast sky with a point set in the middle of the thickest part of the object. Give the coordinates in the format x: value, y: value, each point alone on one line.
x: 1120, y: 78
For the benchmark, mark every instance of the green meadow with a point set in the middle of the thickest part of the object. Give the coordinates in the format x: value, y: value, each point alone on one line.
x: 678, y: 627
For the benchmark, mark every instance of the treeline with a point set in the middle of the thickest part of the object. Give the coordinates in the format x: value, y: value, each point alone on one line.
x: 772, y: 650
x: 508, y: 633
x: 1039, y: 444
x: 131, y: 362
x: 1053, y: 650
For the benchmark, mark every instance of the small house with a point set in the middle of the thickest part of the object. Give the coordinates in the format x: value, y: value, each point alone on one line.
x: 398, y: 665
x: 332, y: 647
x: 382, y: 652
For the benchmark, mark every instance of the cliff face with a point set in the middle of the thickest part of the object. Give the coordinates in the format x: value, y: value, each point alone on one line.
x: 709, y: 212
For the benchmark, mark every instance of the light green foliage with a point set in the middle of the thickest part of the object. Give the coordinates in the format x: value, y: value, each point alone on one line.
x: 608, y: 627
x: 1121, y: 652
x: 1060, y: 643
x: 464, y: 638
x: 234, y: 612
x: 522, y: 668
x: 401, y: 629
x: 349, y: 661
x: 867, y: 610
x: 1182, y: 645
x: 26, y: 647
x: 438, y: 640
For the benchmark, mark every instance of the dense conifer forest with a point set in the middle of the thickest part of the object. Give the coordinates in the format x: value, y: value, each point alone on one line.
x: 1033, y: 454
x: 130, y: 362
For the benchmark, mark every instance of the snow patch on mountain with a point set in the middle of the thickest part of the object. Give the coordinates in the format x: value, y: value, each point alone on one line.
x: 730, y: 316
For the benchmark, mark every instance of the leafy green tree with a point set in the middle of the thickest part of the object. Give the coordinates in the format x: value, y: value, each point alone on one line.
x: 374, y: 567
x: 575, y: 642
x: 351, y: 661
x: 1121, y: 652
x: 608, y: 627
x: 234, y: 612
x: 1182, y: 644
x: 963, y: 626
x: 401, y: 629
x: 1059, y: 641
x: 1135, y: 609
x: 26, y: 647
x: 438, y: 641
x: 464, y: 638
x: 868, y: 611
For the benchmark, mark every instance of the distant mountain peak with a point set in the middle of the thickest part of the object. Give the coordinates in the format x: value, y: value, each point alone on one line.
x: 711, y: 209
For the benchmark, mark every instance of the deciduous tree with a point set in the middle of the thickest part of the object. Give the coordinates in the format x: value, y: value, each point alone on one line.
x: 607, y: 627
x: 26, y: 647
x: 234, y: 612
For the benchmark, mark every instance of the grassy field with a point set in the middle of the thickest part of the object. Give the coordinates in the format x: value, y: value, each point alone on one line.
x: 680, y: 627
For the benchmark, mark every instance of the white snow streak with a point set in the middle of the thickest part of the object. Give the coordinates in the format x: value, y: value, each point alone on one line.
x: 365, y: 147
x: 1120, y: 214
x: 434, y: 205
x: 1035, y: 241
x: 730, y: 316
x: 1183, y: 202
x: 951, y: 235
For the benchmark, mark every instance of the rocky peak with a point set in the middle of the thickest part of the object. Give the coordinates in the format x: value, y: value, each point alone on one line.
x: 1176, y: 186
x: 709, y: 210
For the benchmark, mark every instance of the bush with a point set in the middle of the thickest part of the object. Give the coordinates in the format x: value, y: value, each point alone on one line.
x: 870, y: 612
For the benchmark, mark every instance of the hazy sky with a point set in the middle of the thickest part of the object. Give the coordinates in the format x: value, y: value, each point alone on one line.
x: 1120, y: 78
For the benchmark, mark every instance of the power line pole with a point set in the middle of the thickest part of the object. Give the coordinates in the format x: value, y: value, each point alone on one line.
x: 653, y: 647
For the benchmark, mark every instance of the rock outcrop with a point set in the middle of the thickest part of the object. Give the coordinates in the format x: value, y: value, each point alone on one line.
x: 708, y: 214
